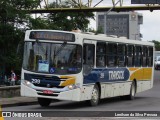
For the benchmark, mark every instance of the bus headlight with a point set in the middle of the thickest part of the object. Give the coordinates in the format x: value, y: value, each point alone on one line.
x: 74, y: 86
x: 27, y: 83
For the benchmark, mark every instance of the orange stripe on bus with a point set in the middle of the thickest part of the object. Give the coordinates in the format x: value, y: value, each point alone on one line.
x: 142, y: 74
x: 133, y: 69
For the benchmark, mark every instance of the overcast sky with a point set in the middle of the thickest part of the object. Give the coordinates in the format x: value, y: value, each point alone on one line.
x: 150, y: 29
x: 151, y: 25
x: 151, y: 20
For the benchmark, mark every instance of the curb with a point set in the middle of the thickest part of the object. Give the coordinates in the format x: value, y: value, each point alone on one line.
x: 19, y: 104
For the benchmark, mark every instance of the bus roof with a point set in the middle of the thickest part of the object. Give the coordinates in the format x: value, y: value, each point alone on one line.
x: 113, y: 39
x: 91, y: 36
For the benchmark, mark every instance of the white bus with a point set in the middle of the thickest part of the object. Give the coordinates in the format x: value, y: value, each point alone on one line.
x: 83, y: 67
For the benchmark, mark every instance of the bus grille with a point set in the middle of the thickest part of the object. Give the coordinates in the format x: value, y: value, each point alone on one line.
x: 51, y: 86
x: 47, y: 94
x: 45, y: 81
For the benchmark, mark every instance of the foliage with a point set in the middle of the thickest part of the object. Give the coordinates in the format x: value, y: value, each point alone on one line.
x: 157, y: 45
x: 99, y: 31
x: 69, y: 20
x: 38, y: 23
x: 12, y: 20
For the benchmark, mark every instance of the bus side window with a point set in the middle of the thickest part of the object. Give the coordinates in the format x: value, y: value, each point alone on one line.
x: 144, y: 56
x: 121, y: 55
x: 130, y: 55
x: 101, y: 54
x: 150, y: 56
x: 138, y: 55
x: 112, y: 54
x: 88, y: 57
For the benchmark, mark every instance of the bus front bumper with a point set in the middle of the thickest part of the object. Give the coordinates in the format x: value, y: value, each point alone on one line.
x: 71, y: 92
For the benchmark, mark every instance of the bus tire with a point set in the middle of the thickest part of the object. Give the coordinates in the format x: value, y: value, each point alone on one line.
x: 95, y: 96
x: 44, y: 102
x: 132, y: 94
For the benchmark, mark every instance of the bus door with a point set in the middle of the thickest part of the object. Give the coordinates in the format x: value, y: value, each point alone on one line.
x: 88, y: 57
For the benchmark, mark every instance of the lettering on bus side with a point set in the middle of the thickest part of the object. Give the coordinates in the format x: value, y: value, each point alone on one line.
x: 113, y: 74
x: 116, y: 75
x: 107, y: 75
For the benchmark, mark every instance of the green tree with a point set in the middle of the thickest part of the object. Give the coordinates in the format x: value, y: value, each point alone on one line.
x: 12, y: 22
x: 38, y: 23
x: 98, y: 31
x: 69, y: 20
x: 157, y: 45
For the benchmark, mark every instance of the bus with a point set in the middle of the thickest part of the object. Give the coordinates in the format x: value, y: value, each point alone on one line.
x: 62, y: 65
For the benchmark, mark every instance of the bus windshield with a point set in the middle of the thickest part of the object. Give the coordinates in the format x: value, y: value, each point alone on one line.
x: 53, y: 58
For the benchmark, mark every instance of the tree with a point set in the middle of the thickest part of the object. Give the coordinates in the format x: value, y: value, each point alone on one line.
x: 12, y: 20
x: 157, y: 45
x: 69, y: 20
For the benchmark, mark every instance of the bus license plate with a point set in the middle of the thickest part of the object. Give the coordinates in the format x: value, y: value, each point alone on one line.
x: 48, y: 92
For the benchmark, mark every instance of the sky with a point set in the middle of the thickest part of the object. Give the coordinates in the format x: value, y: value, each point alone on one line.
x: 150, y: 27
x: 151, y: 20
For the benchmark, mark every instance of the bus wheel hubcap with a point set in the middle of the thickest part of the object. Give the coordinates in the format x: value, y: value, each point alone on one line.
x: 94, y: 95
x: 133, y: 90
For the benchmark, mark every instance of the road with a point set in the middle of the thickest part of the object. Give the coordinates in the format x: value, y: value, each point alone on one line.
x: 144, y: 101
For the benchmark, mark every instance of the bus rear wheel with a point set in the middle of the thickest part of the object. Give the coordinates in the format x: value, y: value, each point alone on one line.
x: 95, y: 96
x: 132, y: 94
x: 44, y: 102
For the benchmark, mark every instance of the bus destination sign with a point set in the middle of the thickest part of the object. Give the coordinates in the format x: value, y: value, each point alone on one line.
x: 48, y: 35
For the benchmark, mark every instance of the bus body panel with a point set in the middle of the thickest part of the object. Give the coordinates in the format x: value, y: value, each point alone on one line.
x: 86, y: 92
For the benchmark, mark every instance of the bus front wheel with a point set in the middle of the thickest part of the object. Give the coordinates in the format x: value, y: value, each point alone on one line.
x: 44, y: 102
x: 95, y: 96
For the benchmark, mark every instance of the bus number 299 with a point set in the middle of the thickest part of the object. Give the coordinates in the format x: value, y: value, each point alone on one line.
x: 36, y: 81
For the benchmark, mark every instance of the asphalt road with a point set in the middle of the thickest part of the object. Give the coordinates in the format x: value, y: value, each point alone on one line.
x: 148, y: 101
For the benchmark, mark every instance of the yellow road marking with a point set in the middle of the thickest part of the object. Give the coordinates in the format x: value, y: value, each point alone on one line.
x: 1, y: 118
